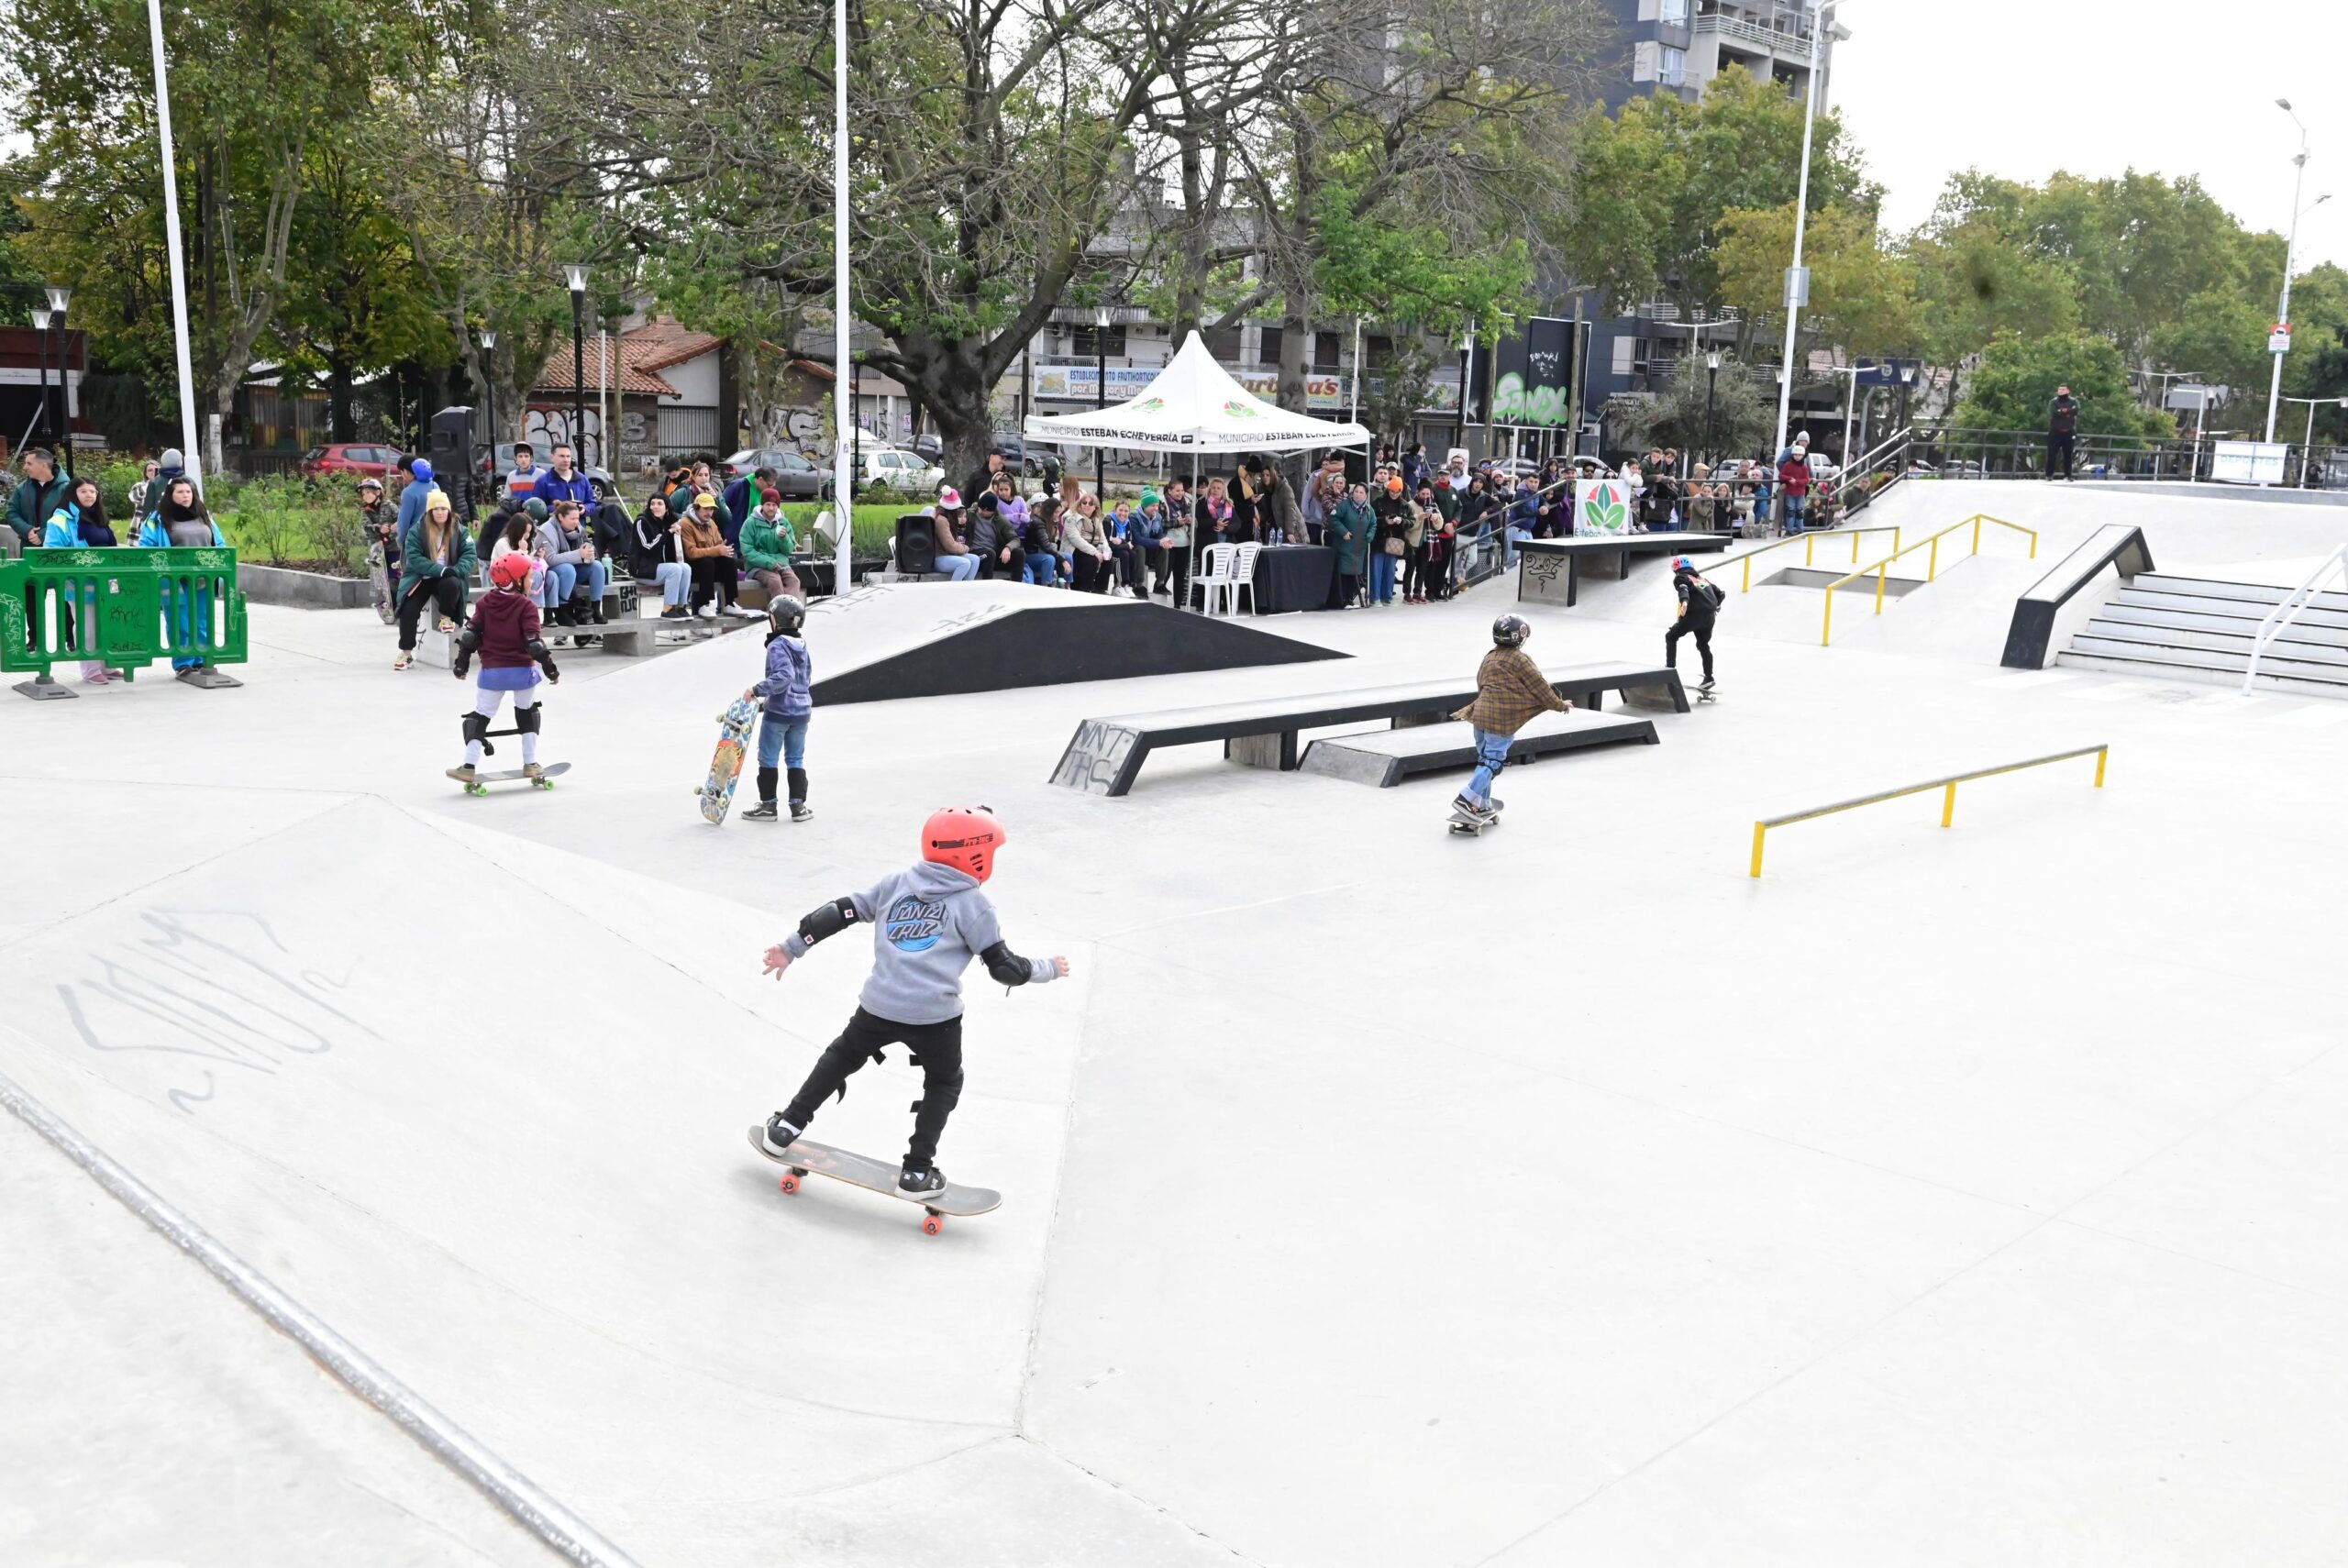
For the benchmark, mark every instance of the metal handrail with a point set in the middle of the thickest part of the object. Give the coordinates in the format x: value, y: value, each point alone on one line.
x: 2272, y: 627
x: 2101, y: 753
x: 1882, y: 568
x: 1809, y: 554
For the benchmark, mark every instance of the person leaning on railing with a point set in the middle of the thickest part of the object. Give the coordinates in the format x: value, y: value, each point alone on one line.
x: 181, y: 523
x: 81, y: 524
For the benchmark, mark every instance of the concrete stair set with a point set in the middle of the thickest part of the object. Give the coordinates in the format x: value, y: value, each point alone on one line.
x: 2199, y: 629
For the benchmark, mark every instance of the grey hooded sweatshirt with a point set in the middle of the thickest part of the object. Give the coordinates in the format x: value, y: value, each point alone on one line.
x: 928, y: 921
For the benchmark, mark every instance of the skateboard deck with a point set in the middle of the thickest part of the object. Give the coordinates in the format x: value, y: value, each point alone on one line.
x: 1708, y: 694
x: 807, y: 1158
x: 1461, y: 823
x: 378, y: 582
x: 725, y: 766
x: 482, y: 781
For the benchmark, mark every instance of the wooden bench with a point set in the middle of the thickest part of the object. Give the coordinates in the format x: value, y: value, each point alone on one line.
x: 1105, y: 755
x: 1386, y: 758
x: 1549, y: 571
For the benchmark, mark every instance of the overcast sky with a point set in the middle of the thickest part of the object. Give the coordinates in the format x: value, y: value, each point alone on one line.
x: 2024, y: 87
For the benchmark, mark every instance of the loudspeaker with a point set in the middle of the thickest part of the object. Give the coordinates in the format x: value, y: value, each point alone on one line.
x: 916, y: 544
x: 452, y: 458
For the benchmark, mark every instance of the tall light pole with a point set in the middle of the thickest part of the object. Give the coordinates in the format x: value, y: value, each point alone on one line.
x: 843, y: 319
x: 40, y: 342
x: 575, y: 275
x: 1797, y: 276
x: 489, y: 405
x: 1711, y: 379
x: 2290, y: 246
x: 59, y: 298
x: 189, y: 453
x: 1100, y: 397
x: 1459, y: 425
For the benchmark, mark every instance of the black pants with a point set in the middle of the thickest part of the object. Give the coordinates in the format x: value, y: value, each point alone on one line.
x: 992, y: 564
x: 934, y: 1048
x: 1688, y: 626
x: 1176, y: 573
x: 444, y: 591
x: 2062, y: 444
x: 1414, y: 571
x: 712, y: 574
x: 1091, y: 574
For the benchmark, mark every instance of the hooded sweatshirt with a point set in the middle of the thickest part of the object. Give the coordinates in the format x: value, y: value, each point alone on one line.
x: 790, y: 672
x: 928, y: 921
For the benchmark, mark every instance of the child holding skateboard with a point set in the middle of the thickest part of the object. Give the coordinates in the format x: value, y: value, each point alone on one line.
x: 929, y: 921
x: 1700, y: 607
x: 782, y: 733
x: 504, y: 631
x: 1510, y: 691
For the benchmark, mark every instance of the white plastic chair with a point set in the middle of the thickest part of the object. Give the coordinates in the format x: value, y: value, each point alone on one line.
x: 1217, y: 577
x: 1242, y: 577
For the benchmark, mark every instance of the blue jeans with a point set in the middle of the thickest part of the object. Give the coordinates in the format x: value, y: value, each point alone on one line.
x: 1793, y: 507
x: 1043, y: 570
x: 1381, y: 577
x: 179, y: 608
x: 1491, y: 756
x: 961, y: 569
x: 562, y: 581
x: 1517, y: 535
x: 676, y: 581
x: 786, y: 738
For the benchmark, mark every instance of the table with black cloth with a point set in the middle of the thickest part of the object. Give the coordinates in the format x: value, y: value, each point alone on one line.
x: 1295, y: 577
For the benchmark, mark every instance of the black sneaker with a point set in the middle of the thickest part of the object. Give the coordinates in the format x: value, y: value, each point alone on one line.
x: 920, y: 1183
x: 799, y: 811
x: 779, y: 1135
x: 764, y: 812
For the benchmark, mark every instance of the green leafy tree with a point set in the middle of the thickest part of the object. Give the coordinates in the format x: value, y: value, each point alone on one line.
x: 1862, y: 294
x: 2013, y: 387
x: 1741, y: 419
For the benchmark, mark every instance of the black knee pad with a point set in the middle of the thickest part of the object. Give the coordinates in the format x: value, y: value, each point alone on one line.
x: 526, y: 720
x: 798, y: 777
x: 476, y: 728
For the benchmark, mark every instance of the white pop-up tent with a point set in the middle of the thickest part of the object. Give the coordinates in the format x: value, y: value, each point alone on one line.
x: 1195, y: 406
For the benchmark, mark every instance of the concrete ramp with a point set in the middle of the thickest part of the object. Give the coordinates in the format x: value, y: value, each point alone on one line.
x: 1386, y: 758
x: 496, y: 1141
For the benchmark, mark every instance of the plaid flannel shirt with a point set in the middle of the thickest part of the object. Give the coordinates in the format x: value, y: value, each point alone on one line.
x: 1510, y: 691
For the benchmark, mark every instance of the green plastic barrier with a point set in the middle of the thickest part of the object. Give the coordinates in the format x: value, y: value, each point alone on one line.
x: 125, y: 608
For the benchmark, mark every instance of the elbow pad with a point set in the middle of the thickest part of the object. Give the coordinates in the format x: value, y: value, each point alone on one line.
x: 1007, y: 967
x: 827, y: 919
x: 542, y: 656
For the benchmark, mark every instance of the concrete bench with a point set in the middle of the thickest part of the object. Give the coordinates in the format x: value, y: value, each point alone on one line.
x: 1105, y: 755
x: 1386, y: 758
x: 1549, y: 571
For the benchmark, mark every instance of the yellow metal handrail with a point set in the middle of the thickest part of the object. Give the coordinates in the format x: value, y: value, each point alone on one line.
x: 2102, y: 754
x: 1809, y: 541
x: 1882, y: 568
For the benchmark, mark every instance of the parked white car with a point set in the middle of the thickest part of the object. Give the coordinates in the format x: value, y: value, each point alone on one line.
x: 886, y: 468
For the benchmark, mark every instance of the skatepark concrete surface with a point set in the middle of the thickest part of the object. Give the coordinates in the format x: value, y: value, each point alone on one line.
x: 1374, y: 1198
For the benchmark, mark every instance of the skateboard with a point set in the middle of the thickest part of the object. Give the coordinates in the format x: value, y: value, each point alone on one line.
x: 545, y: 781
x: 1707, y: 694
x: 725, y: 766
x: 1461, y: 823
x: 378, y: 582
x: 806, y: 1158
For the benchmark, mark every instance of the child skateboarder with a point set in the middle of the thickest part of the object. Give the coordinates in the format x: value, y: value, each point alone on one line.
x: 928, y: 921
x: 504, y: 631
x: 1699, y: 606
x: 782, y: 733
x: 1510, y: 692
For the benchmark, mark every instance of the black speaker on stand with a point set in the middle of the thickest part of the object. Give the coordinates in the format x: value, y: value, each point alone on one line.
x: 916, y: 544
x: 452, y: 458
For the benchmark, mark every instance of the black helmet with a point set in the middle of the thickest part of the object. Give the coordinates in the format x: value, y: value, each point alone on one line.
x: 785, y: 613
x: 1510, y: 631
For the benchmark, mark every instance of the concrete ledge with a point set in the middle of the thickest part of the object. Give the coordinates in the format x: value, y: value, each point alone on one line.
x: 1385, y: 757
x: 301, y: 589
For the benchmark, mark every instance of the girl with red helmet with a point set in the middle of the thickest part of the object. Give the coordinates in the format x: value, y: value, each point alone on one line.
x: 928, y: 921
x: 503, y: 631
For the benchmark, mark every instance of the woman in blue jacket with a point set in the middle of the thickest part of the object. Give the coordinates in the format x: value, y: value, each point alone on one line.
x: 79, y: 523
x: 180, y: 522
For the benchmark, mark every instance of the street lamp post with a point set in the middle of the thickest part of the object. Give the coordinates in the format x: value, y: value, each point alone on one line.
x: 1711, y: 379
x: 59, y: 298
x: 40, y: 342
x: 489, y: 403
x: 1100, y: 397
x: 1797, y: 279
x: 576, y: 276
x: 1459, y: 425
x: 2290, y: 246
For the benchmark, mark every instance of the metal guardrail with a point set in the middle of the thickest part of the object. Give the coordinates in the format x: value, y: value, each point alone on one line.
x: 2283, y: 614
x: 1882, y: 568
x: 1809, y: 539
x: 1947, y: 785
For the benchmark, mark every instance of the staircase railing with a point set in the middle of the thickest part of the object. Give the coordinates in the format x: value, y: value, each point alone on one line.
x: 2284, y: 613
x: 1891, y: 455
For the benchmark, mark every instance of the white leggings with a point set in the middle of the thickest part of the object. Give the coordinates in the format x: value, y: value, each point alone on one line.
x: 487, y: 703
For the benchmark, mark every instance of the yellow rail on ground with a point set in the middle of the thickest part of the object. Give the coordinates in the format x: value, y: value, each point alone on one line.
x: 1809, y: 541
x: 1882, y: 568
x: 2102, y: 754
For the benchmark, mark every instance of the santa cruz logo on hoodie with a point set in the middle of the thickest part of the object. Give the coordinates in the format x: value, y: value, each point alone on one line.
x: 912, y: 924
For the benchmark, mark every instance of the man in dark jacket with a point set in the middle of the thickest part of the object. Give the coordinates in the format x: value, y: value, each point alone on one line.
x: 40, y: 492
x: 981, y: 481
x: 2062, y: 430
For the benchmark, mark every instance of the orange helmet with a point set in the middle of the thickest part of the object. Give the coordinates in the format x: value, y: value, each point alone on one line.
x: 964, y: 837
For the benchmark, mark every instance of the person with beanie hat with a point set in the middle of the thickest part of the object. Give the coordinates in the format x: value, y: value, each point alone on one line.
x: 437, y: 563
x: 769, y: 542
x: 412, y: 496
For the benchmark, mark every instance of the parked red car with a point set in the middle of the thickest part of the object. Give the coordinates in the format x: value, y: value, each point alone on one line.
x: 352, y: 457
